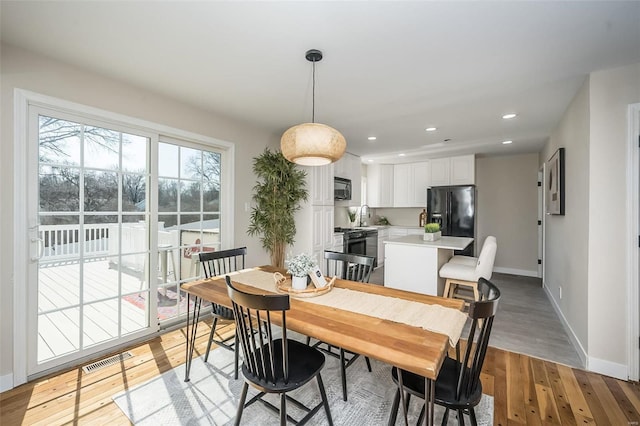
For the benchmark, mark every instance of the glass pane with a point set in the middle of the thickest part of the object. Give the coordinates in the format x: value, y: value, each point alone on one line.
x: 189, y: 196
x: 133, y: 238
x: 167, y: 160
x: 167, y: 263
x: 211, y: 231
x: 167, y: 222
x: 59, y: 141
x: 167, y: 302
x: 58, y: 285
x: 59, y: 189
x: 101, y: 148
x: 134, y: 307
x: 134, y: 153
x: 59, y: 235
x: 132, y: 272
x: 167, y: 195
x: 58, y: 333
x: 190, y: 163
x: 100, y: 278
x: 134, y: 193
x: 190, y: 222
x: 100, y: 322
x: 134, y: 218
x: 100, y: 191
x: 100, y: 235
x: 211, y: 173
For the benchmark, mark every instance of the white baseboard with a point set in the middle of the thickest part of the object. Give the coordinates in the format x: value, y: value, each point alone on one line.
x: 582, y: 354
x: 512, y: 271
x: 6, y: 382
x: 608, y: 368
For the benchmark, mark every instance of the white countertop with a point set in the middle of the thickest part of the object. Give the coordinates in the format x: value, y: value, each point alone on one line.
x: 451, y: 243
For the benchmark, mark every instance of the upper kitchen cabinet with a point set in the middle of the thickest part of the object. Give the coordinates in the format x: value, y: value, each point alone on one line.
x: 410, y: 182
x: 380, y: 185
x: 350, y: 167
x: 459, y: 170
x: 320, y: 184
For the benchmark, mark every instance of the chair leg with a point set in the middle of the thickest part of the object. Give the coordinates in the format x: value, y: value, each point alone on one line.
x: 461, y: 417
x: 445, y: 417
x: 283, y: 409
x: 447, y: 289
x: 472, y: 417
x: 421, y: 416
x: 394, y: 409
x: 366, y: 358
x: 308, y: 340
x: 213, y: 330
x: 343, y: 374
x: 236, y: 355
x: 243, y: 397
x: 325, y: 402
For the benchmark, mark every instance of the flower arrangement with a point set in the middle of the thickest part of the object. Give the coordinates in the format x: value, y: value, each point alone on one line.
x: 300, y: 265
x: 431, y: 227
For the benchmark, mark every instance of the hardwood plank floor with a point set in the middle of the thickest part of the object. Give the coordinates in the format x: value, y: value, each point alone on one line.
x: 527, y: 390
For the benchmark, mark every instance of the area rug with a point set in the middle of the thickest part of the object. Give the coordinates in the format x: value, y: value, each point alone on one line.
x: 211, y: 397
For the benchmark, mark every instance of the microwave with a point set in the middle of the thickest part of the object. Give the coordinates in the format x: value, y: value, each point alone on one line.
x: 341, y: 188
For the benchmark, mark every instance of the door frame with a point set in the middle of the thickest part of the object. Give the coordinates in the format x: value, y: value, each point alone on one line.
x: 22, y: 253
x: 540, y: 227
x: 633, y: 241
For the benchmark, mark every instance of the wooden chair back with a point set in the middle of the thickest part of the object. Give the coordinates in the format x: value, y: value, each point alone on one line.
x: 352, y: 267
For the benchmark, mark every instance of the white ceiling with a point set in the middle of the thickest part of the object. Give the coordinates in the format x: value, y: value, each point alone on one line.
x: 390, y: 69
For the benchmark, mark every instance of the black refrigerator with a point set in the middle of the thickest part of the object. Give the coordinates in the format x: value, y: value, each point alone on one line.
x: 454, y: 208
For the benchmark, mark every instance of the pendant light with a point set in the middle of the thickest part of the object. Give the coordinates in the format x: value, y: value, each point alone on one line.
x: 312, y: 144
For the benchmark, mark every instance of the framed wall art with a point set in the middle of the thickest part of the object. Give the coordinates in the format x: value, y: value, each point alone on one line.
x: 554, y: 185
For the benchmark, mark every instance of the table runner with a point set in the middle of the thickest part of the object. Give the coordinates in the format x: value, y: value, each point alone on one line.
x: 435, y: 318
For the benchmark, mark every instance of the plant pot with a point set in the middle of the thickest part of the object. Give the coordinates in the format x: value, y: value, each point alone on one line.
x: 299, y: 283
x: 432, y: 236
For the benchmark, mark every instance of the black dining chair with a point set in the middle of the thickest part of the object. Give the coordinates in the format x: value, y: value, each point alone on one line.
x: 353, y: 267
x: 458, y: 386
x: 218, y: 263
x: 273, y: 365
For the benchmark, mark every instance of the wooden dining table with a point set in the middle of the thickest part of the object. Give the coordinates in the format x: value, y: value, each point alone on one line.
x: 407, y: 347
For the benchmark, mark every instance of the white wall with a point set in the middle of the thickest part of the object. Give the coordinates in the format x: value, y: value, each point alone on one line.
x: 567, y: 237
x: 586, y: 250
x: 611, y: 92
x: 22, y: 69
x: 507, y: 207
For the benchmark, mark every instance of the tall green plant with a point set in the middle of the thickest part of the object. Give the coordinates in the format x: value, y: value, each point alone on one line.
x: 280, y: 189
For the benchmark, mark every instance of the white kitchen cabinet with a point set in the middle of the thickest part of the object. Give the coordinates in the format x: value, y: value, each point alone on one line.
x: 322, y: 237
x: 440, y: 171
x: 458, y: 170
x: 410, y: 182
x: 320, y: 184
x: 401, y: 185
x: 380, y: 185
x: 463, y: 170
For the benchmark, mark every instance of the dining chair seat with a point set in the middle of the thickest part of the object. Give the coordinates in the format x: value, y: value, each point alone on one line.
x: 463, y: 273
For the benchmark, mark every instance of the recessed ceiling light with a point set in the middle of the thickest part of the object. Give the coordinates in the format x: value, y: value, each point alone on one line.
x: 510, y: 115
x: 372, y: 138
x: 370, y: 161
x: 430, y: 129
x: 401, y: 155
x: 506, y: 142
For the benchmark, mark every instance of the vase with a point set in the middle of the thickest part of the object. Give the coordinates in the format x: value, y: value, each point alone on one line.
x: 432, y: 236
x: 299, y: 283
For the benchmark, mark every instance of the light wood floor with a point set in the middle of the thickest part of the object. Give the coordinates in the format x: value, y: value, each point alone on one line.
x: 527, y: 390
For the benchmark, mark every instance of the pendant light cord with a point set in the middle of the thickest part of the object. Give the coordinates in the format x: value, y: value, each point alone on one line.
x: 313, y: 96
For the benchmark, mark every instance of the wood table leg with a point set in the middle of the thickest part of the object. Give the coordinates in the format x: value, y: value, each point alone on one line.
x: 191, y: 333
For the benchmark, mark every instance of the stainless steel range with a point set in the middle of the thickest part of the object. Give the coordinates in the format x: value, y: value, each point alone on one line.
x: 360, y: 241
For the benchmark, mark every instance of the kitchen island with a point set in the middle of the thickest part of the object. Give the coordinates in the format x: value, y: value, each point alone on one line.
x: 413, y: 264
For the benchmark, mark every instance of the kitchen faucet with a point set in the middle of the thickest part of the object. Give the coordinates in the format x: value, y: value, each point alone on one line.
x: 362, y: 208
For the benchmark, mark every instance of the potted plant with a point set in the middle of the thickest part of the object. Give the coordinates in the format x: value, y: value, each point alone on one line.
x: 299, y: 267
x: 352, y: 217
x: 280, y: 189
x: 432, y: 232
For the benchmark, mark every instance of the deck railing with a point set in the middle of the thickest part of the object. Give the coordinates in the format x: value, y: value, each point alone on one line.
x: 63, y: 241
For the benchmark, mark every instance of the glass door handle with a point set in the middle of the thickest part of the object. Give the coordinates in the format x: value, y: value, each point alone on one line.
x: 40, y: 249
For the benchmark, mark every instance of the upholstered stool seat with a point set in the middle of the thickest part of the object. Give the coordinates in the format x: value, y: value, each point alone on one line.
x: 463, y: 272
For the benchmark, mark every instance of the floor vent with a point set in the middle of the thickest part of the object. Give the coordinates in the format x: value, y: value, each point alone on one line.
x: 95, y: 366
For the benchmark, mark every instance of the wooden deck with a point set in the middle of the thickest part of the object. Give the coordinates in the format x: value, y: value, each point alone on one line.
x: 59, y: 288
